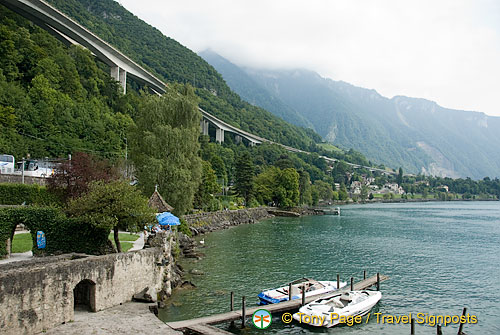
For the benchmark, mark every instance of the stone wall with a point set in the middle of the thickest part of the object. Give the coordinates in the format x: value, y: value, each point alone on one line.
x: 207, y: 222
x: 36, y: 295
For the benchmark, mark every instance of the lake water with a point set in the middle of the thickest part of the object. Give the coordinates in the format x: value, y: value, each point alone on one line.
x: 440, y: 257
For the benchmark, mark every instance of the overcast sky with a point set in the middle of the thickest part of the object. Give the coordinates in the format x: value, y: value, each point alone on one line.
x: 447, y: 51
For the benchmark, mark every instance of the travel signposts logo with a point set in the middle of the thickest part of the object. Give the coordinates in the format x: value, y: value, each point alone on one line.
x: 261, y: 319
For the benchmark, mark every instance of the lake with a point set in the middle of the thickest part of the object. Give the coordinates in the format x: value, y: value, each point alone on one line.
x: 440, y: 257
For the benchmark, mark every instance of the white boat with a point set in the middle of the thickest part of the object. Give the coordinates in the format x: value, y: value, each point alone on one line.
x: 312, y: 287
x: 331, y: 310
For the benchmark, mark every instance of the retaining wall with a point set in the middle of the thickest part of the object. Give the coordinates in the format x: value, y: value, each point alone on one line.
x: 38, y: 294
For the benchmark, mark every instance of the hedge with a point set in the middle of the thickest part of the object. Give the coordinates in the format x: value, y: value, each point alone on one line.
x: 17, y: 194
x: 63, y: 234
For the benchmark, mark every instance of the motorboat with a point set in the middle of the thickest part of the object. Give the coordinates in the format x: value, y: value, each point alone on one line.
x: 312, y: 287
x: 334, y: 309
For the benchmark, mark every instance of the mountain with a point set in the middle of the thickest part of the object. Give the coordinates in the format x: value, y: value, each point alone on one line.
x: 241, y: 83
x: 416, y: 134
x: 173, y: 62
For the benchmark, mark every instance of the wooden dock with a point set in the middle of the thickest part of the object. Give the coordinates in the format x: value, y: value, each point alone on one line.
x: 200, y: 325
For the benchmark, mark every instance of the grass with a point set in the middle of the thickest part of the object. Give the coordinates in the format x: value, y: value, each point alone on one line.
x: 22, y: 243
x: 126, y: 240
x: 329, y: 147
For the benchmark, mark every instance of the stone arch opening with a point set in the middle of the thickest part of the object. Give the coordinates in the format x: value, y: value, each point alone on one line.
x: 84, y: 296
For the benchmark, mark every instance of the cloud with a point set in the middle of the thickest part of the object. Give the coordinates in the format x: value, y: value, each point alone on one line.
x: 446, y: 51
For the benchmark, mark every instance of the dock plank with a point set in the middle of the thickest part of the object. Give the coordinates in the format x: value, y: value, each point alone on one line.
x: 207, y: 329
x: 273, y: 308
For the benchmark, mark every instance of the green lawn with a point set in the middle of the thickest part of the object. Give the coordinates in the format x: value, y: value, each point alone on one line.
x: 126, y: 240
x: 22, y: 243
x: 328, y: 146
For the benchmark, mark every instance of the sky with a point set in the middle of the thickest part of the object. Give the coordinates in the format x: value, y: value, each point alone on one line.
x: 447, y: 51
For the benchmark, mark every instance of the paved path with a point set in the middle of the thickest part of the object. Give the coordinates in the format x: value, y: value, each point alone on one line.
x: 129, y: 318
x: 139, y: 243
x: 17, y: 257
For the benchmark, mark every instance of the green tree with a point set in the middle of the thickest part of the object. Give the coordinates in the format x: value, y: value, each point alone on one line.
x: 324, y: 190
x: 343, y: 193
x: 364, y: 192
x: 399, y: 178
x: 113, y: 206
x: 164, y: 146
x: 305, y: 188
x: 244, y: 176
x: 208, y: 187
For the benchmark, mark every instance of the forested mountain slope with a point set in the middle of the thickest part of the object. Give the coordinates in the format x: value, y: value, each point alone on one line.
x: 173, y: 62
x: 417, y: 134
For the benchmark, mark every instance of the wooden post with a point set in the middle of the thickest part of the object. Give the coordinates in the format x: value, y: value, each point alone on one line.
x: 364, y: 274
x: 412, y: 329
x: 232, y: 301
x: 243, y: 312
x: 461, y: 327
x: 378, y: 281
x: 290, y: 292
x: 303, y: 295
x: 338, y: 281
x: 352, y: 284
x: 439, y: 331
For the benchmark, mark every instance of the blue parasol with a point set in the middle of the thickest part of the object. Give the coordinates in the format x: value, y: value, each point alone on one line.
x: 167, y: 219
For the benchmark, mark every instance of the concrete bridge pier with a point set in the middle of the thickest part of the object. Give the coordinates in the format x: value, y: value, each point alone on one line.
x: 219, y: 135
x: 120, y: 75
x: 204, y: 127
x: 252, y: 144
x: 238, y: 139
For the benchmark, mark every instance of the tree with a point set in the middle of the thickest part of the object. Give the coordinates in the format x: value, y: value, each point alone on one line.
x: 305, y: 188
x: 72, y: 178
x: 324, y: 190
x: 278, y: 186
x: 208, y: 187
x: 244, y: 176
x: 399, y: 179
x: 343, y: 193
x: 364, y: 192
x: 113, y: 206
x: 164, y: 146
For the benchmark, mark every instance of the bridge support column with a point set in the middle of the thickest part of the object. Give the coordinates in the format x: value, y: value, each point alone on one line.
x: 204, y: 127
x: 219, y: 135
x: 252, y: 144
x: 120, y: 75
x: 237, y: 139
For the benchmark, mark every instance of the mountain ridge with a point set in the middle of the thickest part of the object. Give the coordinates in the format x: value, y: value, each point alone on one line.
x: 415, y: 133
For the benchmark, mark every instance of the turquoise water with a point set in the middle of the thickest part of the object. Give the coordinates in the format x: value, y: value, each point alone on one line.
x: 440, y: 257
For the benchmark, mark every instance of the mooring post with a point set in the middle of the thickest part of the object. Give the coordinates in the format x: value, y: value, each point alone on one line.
x: 352, y: 284
x: 378, y: 281
x: 364, y: 274
x: 412, y: 329
x: 232, y: 301
x: 439, y: 331
x: 338, y: 281
x: 290, y: 292
x: 243, y: 312
x: 461, y: 323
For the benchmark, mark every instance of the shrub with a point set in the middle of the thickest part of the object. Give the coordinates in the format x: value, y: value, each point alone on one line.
x: 17, y: 194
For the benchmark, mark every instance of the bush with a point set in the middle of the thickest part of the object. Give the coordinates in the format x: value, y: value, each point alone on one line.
x: 17, y: 194
x: 184, y: 228
x: 63, y: 234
